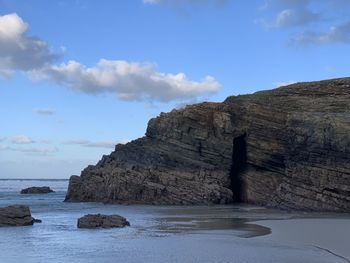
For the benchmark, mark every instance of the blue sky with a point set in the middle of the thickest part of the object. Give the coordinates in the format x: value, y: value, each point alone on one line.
x: 77, y: 77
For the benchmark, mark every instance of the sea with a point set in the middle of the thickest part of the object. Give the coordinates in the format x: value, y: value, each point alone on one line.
x: 160, y: 234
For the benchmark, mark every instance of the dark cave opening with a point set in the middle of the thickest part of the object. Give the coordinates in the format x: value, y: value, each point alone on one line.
x: 239, y: 160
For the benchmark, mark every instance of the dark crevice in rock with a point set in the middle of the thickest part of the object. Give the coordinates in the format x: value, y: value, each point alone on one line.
x: 239, y: 161
x: 334, y: 191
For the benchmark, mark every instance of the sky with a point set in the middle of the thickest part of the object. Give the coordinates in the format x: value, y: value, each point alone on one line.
x: 78, y: 77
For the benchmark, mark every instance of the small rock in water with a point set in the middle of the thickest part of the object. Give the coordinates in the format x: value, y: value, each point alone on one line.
x: 102, y: 221
x: 16, y: 215
x: 37, y: 190
x: 37, y: 220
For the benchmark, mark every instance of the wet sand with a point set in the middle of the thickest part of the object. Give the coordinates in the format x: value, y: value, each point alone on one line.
x: 329, y: 234
x: 203, y: 234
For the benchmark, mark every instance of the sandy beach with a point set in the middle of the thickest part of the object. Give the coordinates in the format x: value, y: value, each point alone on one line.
x: 329, y: 234
x: 219, y: 234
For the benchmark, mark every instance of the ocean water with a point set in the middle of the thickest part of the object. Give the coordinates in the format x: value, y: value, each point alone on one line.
x: 157, y: 233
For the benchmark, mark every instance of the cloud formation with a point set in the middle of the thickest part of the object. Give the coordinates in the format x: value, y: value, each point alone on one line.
x: 22, y: 139
x: 133, y: 81
x: 31, y: 150
x: 99, y: 144
x: 128, y: 80
x: 295, y: 17
x: 337, y: 34
x: 44, y: 111
x: 19, y: 51
x: 291, y: 13
x: 313, y: 21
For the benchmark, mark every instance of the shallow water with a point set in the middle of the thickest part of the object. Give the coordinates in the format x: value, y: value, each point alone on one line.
x: 157, y: 233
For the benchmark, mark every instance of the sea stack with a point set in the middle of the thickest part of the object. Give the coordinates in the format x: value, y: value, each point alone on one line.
x: 287, y: 148
x: 16, y: 215
x: 102, y: 221
x: 37, y: 190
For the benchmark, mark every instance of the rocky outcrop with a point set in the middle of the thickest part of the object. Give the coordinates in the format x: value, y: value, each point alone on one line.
x: 288, y: 148
x: 37, y: 190
x: 16, y: 215
x: 102, y: 221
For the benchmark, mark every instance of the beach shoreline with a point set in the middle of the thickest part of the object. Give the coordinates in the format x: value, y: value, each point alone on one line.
x: 330, y: 234
x: 219, y: 233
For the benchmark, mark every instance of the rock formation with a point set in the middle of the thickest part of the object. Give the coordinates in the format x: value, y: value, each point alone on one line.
x: 37, y: 190
x: 288, y: 148
x: 16, y: 215
x: 102, y: 221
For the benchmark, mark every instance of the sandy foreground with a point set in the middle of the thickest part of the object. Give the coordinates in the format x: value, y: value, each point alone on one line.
x: 332, y: 235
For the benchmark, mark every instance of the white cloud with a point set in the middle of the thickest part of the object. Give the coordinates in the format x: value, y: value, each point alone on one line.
x: 2, y: 139
x: 31, y: 150
x: 128, y: 80
x: 310, y: 18
x: 18, y: 51
x: 294, y: 17
x: 336, y: 34
x: 98, y: 144
x: 290, y: 13
x: 36, y: 150
x: 44, y: 111
x: 22, y: 139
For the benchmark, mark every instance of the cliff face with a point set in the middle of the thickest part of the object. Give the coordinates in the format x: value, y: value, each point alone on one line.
x: 288, y: 147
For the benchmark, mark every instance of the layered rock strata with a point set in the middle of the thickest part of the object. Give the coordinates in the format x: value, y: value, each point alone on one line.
x: 102, y: 221
x: 37, y: 190
x: 16, y: 215
x: 288, y: 147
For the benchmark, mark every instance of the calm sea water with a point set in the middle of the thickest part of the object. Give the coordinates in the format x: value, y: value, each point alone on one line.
x: 157, y: 233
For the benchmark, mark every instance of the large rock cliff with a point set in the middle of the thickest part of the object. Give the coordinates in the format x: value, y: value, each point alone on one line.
x: 288, y: 147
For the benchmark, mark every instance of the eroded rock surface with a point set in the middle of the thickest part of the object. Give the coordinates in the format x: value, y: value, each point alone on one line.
x: 288, y: 148
x: 102, y: 221
x: 16, y: 215
x: 37, y: 190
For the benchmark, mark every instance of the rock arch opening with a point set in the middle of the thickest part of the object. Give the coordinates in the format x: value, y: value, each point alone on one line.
x: 239, y: 161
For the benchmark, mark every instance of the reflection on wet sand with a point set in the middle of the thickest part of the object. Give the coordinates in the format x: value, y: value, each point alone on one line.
x: 240, y: 226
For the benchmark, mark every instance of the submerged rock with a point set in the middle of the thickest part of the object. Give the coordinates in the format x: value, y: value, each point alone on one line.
x: 102, y: 221
x: 288, y: 148
x: 16, y: 215
x: 37, y: 190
